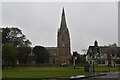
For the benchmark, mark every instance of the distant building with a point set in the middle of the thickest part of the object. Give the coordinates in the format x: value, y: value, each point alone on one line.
x: 102, y: 55
x: 61, y: 53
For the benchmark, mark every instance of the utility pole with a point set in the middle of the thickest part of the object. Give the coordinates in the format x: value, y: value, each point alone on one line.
x: 74, y: 62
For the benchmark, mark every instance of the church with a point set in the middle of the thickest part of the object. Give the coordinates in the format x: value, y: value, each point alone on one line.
x: 62, y: 53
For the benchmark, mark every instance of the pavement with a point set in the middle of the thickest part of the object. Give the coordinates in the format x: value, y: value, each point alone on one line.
x: 95, y: 76
x: 87, y: 76
x: 107, y: 76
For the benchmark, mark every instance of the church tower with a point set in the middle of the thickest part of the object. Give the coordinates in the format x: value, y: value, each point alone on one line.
x: 63, y: 41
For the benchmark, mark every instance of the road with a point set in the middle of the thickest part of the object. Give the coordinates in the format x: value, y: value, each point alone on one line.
x: 109, y: 76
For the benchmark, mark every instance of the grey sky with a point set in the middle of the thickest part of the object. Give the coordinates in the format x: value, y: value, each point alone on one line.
x: 86, y: 21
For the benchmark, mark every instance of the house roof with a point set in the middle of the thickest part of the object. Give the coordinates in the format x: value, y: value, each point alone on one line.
x: 104, y: 49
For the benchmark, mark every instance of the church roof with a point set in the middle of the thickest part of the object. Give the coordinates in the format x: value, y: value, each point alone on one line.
x: 51, y: 48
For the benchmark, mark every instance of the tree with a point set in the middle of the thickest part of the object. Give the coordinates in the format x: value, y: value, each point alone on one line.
x: 15, y: 37
x: 23, y: 54
x: 81, y: 59
x: 41, y: 54
x: 9, y: 53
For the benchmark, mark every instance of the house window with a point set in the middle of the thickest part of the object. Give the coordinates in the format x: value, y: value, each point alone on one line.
x: 90, y: 62
x: 113, y: 54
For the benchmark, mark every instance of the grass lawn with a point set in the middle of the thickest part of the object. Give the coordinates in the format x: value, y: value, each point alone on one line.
x: 106, y: 69
x: 48, y: 72
x: 41, y: 72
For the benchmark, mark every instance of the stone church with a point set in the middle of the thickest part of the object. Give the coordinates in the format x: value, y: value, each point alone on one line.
x: 62, y: 53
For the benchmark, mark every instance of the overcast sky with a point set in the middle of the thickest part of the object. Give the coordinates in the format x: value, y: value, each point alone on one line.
x: 86, y: 21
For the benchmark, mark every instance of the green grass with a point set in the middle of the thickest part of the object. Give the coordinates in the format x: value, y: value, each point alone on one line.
x: 48, y: 72
x: 42, y: 72
x: 106, y: 69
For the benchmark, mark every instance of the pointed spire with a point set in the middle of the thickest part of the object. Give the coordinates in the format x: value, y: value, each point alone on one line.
x: 63, y: 13
x: 63, y: 20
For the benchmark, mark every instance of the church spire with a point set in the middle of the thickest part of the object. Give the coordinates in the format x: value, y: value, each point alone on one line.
x: 63, y: 32
x: 63, y: 43
x: 63, y: 13
x: 63, y: 21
